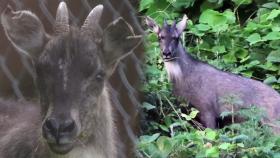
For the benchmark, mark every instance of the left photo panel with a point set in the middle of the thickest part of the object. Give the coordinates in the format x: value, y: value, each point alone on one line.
x: 70, y: 73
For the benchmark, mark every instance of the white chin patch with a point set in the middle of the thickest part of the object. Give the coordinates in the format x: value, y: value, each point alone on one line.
x: 173, y: 70
x: 85, y: 152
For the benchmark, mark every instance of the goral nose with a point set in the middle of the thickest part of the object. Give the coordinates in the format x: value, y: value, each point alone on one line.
x: 58, y: 128
x: 166, y: 54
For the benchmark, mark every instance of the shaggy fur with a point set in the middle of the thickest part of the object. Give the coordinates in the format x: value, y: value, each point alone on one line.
x: 72, y: 71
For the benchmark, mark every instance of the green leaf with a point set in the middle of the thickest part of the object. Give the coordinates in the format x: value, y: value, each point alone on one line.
x: 270, y: 80
x: 241, y: 53
x: 275, y: 28
x: 242, y: 2
x: 252, y: 26
x: 145, y: 4
x: 168, y: 120
x: 277, y: 142
x: 148, y: 139
x: 274, y: 44
x: 181, y: 3
x: 229, y: 58
x: 253, y: 63
x: 196, y: 32
x: 240, y: 138
x: 164, y: 145
x: 220, y: 28
x: 193, y: 113
x: 218, y: 49
x: 150, y: 149
x: 240, y: 145
x: 269, y: 66
x: 210, y: 134
x: 148, y: 106
x: 276, y: 155
x: 272, y: 36
x: 254, y: 38
x: 268, y: 147
x: 212, y: 1
x: 159, y: 10
x: 271, y: 5
x: 212, y: 18
x: 247, y: 73
x: 191, y: 116
x: 202, y: 27
x: 230, y: 16
x: 187, y: 117
x: 263, y: 18
x: 274, y: 13
x: 274, y: 56
x: 212, y: 152
x: 224, y: 146
x: 209, y: 5
x: 164, y: 128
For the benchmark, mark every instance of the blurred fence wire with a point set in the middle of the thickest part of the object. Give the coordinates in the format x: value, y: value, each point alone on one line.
x: 17, y: 74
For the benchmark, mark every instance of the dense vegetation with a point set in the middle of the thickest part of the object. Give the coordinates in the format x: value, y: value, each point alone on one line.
x: 238, y: 36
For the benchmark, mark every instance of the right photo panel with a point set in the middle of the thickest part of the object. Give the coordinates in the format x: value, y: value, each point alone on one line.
x: 212, y: 79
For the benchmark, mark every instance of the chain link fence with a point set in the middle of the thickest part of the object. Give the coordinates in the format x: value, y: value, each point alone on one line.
x: 17, y: 74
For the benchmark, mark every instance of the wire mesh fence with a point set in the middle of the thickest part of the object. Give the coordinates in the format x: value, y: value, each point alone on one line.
x: 17, y: 74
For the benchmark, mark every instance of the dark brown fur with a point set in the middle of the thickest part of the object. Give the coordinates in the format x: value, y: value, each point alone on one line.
x: 72, y: 66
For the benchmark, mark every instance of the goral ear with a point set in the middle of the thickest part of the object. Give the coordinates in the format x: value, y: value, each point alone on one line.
x: 118, y: 42
x: 182, y: 24
x: 152, y: 25
x: 24, y: 30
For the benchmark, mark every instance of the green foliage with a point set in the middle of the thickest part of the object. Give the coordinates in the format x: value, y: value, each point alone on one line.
x: 248, y: 139
x: 240, y: 36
